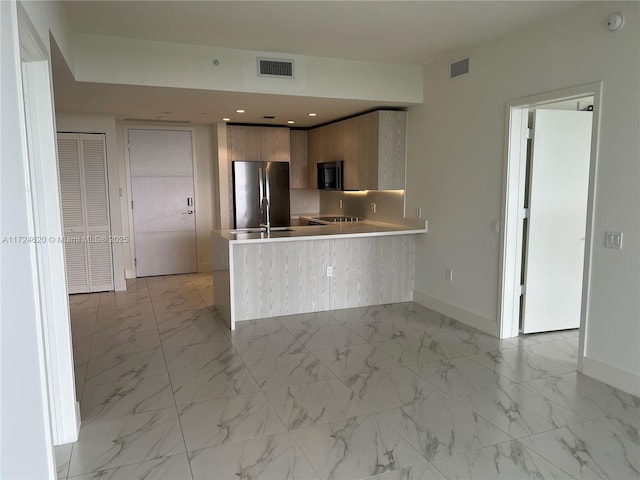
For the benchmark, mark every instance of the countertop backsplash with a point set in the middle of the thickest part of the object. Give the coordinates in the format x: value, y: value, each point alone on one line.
x: 389, y: 205
x: 304, y: 201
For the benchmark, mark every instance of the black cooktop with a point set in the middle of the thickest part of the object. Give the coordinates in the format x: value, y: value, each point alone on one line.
x: 338, y: 218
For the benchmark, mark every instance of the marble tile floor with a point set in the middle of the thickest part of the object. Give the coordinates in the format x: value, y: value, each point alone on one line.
x: 386, y: 392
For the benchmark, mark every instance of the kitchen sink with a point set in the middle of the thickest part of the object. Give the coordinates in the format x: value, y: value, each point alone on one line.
x: 260, y: 230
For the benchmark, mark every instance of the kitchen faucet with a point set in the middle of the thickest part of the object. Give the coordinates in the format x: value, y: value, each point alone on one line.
x: 266, y: 209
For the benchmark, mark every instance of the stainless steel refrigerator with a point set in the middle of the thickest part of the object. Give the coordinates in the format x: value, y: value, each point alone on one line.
x: 255, y: 181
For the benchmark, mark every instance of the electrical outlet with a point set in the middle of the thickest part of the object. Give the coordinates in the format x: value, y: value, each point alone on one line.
x: 373, y: 208
x: 329, y: 271
x: 340, y: 204
x: 418, y: 213
x: 450, y: 274
x: 613, y: 240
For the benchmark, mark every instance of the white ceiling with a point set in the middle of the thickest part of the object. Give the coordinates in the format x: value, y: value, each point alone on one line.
x: 415, y: 32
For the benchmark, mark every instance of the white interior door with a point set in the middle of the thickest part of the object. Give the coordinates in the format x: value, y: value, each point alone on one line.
x: 558, y: 189
x: 163, y: 201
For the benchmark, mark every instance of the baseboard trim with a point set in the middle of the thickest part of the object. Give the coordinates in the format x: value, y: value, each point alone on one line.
x: 130, y: 274
x: 471, y: 319
x: 614, y: 376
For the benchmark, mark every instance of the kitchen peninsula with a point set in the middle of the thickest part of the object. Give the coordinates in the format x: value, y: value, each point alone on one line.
x: 312, y: 268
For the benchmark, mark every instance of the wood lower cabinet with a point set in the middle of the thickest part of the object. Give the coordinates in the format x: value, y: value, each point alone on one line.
x: 372, y: 146
x: 269, y: 144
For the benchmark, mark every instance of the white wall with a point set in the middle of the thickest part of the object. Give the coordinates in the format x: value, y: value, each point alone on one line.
x: 99, y: 123
x: 143, y: 62
x: 25, y: 429
x: 455, y: 167
x: 204, y: 183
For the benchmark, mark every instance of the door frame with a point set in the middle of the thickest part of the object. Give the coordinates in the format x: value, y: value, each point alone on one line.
x: 64, y: 408
x: 513, y: 189
x: 131, y: 272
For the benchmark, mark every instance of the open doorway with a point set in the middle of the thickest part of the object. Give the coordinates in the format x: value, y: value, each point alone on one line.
x: 548, y: 206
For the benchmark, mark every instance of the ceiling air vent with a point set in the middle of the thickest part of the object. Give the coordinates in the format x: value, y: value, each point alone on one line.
x: 459, y: 68
x: 270, y: 67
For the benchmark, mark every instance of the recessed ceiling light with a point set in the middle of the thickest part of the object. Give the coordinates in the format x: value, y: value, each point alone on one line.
x: 290, y: 121
x: 313, y: 114
x: 225, y: 119
x: 239, y: 110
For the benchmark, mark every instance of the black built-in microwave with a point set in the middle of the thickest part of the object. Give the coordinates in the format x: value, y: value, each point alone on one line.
x: 330, y: 175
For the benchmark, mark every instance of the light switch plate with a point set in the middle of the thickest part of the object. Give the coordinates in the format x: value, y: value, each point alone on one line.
x: 613, y: 240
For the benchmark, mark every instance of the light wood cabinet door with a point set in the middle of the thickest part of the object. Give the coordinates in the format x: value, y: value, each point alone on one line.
x: 368, y: 160
x: 352, y: 153
x: 298, y: 159
x: 275, y: 144
x: 315, y: 154
x: 243, y: 143
x: 392, y: 135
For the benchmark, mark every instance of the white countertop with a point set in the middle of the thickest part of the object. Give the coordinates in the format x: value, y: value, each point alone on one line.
x: 364, y: 228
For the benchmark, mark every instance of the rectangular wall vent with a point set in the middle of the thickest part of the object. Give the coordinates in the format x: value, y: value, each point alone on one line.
x: 459, y: 68
x: 270, y: 67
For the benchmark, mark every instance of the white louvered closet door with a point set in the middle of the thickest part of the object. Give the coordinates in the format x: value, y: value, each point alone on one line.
x: 85, y: 212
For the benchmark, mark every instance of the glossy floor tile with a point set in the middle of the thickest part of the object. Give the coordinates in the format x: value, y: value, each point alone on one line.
x: 390, y: 392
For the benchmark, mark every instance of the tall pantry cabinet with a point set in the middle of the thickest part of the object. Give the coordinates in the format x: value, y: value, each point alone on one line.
x: 85, y: 212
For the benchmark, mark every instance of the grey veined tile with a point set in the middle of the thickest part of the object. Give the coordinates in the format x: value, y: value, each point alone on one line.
x: 355, y: 359
x: 115, y: 368
x: 175, y: 467
x: 507, y: 461
x: 200, y: 355
x: 421, y: 471
x: 626, y: 423
x: 391, y: 388
x: 265, y: 346
x: 519, y: 411
x: 584, y: 395
x: 201, y: 331
x: 303, y: 322
x: 274, y: 457
x: 469, y: 342
x: 356, y: 447
x: 587, y: 450
x: 316, y: 402
x: 564, y: 351
x: 111, y: 443
x: 285, y: 370
x: 125, y: 343
x: 442, y: 427
x: 63, y: 455
x: 216, y: 380
x: 125, y: 326
x: 520, y: 365
x: 460, y: 375
x: 413, y: 351
x: 132, y: 395
x: 322, y: 338
x: 228, y: 420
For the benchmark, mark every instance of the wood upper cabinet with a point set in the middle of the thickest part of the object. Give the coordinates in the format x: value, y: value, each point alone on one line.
x: 275, y: 144
x: 315, y: 154
x: 298, y: 158
x: 269, y: 144
x: 372, y: 146
x: 392, y: 153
